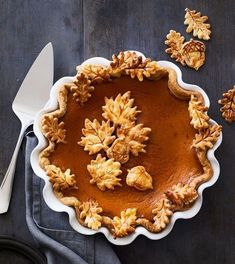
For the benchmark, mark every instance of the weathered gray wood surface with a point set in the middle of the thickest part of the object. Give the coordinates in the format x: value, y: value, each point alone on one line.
x: 83, y: 29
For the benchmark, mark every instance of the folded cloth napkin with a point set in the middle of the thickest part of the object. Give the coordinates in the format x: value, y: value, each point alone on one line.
x: 52, y: 231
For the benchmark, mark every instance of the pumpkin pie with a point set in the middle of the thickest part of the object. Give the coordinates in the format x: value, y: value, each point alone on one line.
x: 127, y: 145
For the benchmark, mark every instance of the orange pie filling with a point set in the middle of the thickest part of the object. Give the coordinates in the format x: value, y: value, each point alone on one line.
x: 149, y: 184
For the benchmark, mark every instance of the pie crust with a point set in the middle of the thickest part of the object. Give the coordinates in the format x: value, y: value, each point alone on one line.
x: 105, y: 167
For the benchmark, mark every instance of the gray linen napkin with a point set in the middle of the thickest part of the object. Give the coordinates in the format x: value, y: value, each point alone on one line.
x: 51, y: 230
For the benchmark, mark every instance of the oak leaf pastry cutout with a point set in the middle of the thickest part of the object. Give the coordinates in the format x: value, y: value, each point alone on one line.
x: 197, y: 112
x: 196, y: 24
x: 96, y: 136
x: 90, y: 213
x: 59, y: 179
x: 139, y: 178
x: 193, y: 52
x: 96, y: 73
x: 181, y: 195
x: 228, y: 105
x: 81, y: 88
x: 124, y: 225
x: 205, y: 139
x: 120, y: 110
x: 104, y: 173
x: 52, y: 129
x: 135, y: 135
x: 123, y: 61
x: 129, y: 63
x: 162, y: 213
x: 149, y: 70
x: 175, y: 42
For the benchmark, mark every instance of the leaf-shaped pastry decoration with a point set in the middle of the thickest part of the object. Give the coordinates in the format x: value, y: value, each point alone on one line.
x: 124, y: 225
x: 196, y: 23
x: 129, y: 63
x: 120, y: 110
x: 228, y: 108
x: 123, y: 61
x: 81, y: 88
x: 96, y: 73
x: 104, y: 173
x: 181, y: 195
x: 134, y: 135
x: 52, y: 129
x: 96, y: 136
x: 199, y: 119
x: 193, y: 52
x: 139, y: 178
x: 206, y: 138
x: 59, y: 179
x: 150, y: 70
x: 162, y: 213
x: 90, y: 213
x: 175, y: 42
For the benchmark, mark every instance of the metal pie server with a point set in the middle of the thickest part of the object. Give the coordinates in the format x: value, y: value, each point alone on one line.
x: 31, y: 97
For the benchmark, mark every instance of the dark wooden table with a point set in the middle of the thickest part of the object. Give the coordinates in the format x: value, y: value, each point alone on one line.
x: 82, y: 29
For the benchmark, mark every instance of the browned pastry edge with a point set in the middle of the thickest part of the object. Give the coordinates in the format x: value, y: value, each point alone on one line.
x: 228, y: 105
x: 180, y: 196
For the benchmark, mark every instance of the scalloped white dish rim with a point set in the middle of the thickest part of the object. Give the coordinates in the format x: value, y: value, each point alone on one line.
x: 57, y: 206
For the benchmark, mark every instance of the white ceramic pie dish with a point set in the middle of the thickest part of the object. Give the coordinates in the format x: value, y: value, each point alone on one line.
x: 56, y: 205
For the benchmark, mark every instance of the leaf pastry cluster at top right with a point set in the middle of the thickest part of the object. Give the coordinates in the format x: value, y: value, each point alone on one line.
x: 192, y: 52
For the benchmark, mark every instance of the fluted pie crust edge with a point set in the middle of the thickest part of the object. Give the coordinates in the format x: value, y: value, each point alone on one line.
x: 179, y: 197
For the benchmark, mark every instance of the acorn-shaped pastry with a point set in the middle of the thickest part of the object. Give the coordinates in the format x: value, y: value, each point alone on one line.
x: 193, y: 52
x: 138, y: 178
